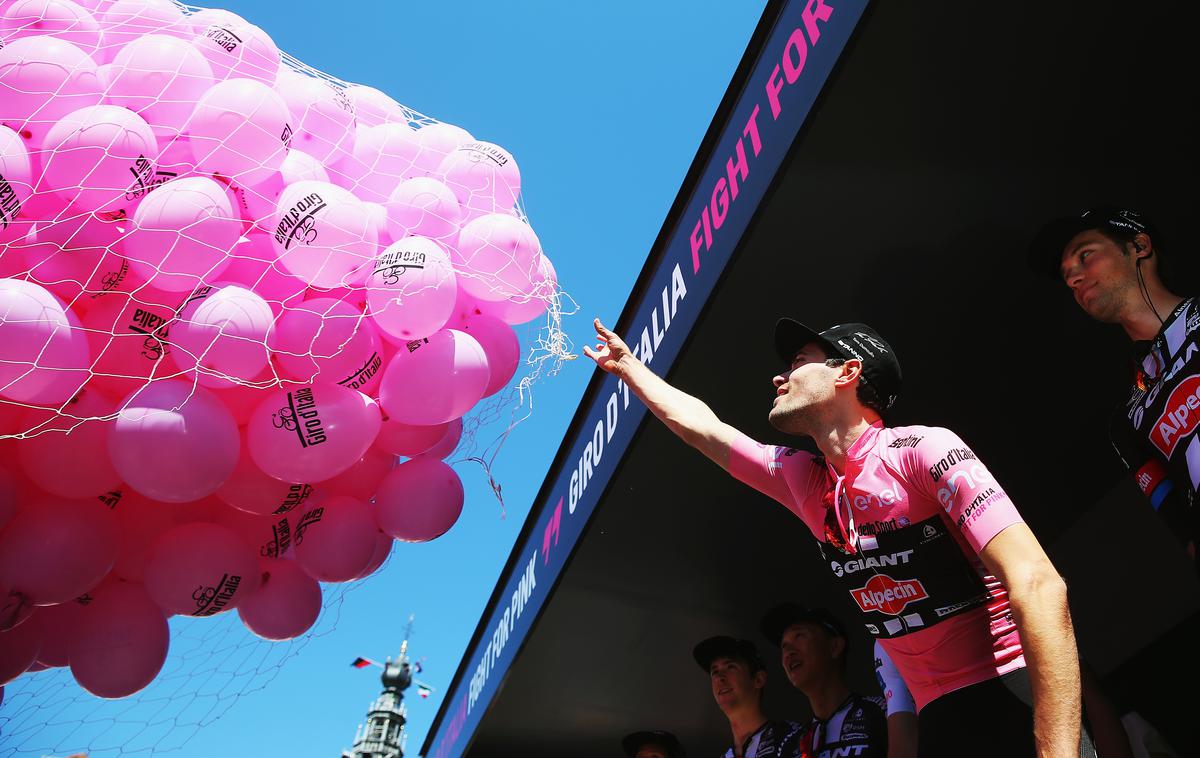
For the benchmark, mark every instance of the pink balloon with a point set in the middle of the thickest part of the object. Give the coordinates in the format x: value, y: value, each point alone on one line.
x: 501, y: 346
x: 16, y: 176
x: 382, y: 158
x: 435, y: 142
x: 383, y: 549
x: 372, y: 107
x: 253, y: 264
x: 8, y: 493
x: 234, y: 47
x: 75, y: 435
x: 56, y: 550
x: 322, y: 116
x: 337, y: 540
x: 326, y: 339
x: 424, y: 207
x: 323, y: 234
x: 240, y: 130
x: 444, y: 447
x: 483, y: 176
x: 251, y: 490
x: 159, y: 77
x: 312, y: 432
x: 55, y: 18
x: 498, y: 258
x: 419, y: 500
x: 102, y: 157
x: 260, y: 201
x: 201, y: 569
x: 287, y: 604
x: 267, y: 536
x: 58, y: 624
x: 125, y: 21
x: 434, y: 380
x: 142, y: 521
x: 121, y: 643
x: 128, y: 335
x: 361, y: 480
x: 43, y: 352
x: 75, y: 258
x: 18, y: 650
x: 220, y: 332
x: 406, y: 439
x: 174, y: 442
x: 182, y: 234
x: 43, y: 79
x: 411, y: 289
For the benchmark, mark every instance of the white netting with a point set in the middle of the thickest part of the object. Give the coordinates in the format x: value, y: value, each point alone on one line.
x: 247, y: 311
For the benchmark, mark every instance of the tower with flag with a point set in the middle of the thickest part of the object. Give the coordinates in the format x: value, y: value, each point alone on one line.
x: 383, y: 734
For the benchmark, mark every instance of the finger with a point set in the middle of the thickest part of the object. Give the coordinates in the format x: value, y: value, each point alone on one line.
x: 588, y: 352
x: 604, y: 331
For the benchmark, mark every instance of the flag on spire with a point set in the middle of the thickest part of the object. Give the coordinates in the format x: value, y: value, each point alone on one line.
x: 423, y: 691
x: 360, y: 663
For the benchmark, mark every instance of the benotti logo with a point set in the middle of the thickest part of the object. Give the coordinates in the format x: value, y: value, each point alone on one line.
x: 298, y: 225
x: 886, y: 595
x: 1179, y: 418
x: 300, y: 416
x: 10, y: 206
x: 211, y: 600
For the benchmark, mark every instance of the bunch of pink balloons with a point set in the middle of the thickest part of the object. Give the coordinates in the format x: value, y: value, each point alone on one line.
x: 243, y: 310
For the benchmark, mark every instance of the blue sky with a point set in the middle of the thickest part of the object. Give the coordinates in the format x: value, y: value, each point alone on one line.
x: 603, y: 105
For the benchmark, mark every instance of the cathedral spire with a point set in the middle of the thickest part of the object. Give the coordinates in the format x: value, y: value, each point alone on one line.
x: 384, y: 735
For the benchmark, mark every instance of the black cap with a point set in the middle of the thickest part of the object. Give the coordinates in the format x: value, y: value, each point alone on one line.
x: 727, y: 647
x: 881, y: 368
x: 777, y: 620
x: 1046, y: 250
x: 636, y: 741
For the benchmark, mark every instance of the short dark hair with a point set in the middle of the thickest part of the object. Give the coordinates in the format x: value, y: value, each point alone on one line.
x: 865, y: 391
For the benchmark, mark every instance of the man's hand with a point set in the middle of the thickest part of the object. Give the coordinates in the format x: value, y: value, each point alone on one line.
x: 611, y: 353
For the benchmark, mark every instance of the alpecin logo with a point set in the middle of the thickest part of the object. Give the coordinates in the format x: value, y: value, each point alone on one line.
x: 224, y: 37
x: 10, y: 204
x: 884, y: 594
x: 300, y: 416
x: 1179, y: 418
x: 298, y: 225
x: 211, y: 600
x: 154, y: 326
x: 146, y: 178
x: 478, y: 152
x: 362, y: 376
x: 389, y: 267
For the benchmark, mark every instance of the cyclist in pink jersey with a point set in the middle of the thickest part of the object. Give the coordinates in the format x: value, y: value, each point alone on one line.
x: 915, y: 529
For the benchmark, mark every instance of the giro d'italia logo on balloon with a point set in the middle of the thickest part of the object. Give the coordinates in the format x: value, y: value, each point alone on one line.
x: 244, y: 308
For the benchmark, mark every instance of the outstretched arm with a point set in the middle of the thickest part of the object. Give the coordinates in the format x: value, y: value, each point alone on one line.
x: 1038, y: 597
x: 688, y: 417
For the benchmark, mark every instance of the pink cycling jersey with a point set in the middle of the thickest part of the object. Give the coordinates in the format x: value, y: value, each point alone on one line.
x: 915, y: 507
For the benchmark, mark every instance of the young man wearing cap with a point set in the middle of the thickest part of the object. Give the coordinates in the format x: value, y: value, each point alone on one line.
x: 1112, y: 261
x: 812, y: 643
x: 915, y: 529
x: 737, y: 675
x: 652, y: 744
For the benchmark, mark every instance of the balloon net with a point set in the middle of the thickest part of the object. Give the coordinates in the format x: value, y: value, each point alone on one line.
x: 240, y: 300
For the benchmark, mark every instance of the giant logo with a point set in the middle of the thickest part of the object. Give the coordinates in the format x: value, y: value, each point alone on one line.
x: 1179, y: 418
x: 886, y: 595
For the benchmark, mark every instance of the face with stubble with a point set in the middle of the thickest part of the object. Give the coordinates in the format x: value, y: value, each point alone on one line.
x: 802, y: 390
x: 1102, y: 275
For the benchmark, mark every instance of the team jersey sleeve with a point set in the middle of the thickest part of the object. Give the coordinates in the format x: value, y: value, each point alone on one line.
x: 782, y: 473
x: 1152, y: 477
x: 895, y: 691
x: 947, y: 471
